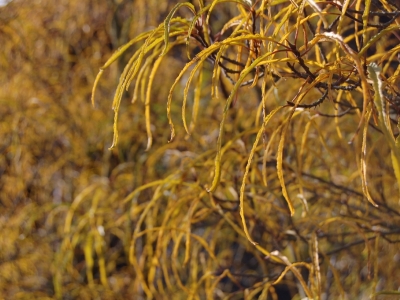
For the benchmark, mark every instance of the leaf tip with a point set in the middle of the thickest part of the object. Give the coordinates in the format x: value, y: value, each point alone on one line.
x: 172, y: 133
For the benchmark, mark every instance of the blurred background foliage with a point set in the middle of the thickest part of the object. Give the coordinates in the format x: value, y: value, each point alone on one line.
x: 79, y: 221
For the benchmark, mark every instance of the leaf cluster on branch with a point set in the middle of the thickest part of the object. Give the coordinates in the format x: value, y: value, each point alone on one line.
x: 231, y: 176
x: 339, y: 59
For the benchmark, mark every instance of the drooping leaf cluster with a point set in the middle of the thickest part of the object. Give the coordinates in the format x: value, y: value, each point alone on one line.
x: 344, y: 56
x: 230, y: 176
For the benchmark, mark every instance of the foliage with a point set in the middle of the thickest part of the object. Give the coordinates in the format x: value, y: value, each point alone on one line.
x: 278, y: 184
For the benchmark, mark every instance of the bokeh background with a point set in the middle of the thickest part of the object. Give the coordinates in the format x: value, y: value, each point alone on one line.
x: 54, y: 144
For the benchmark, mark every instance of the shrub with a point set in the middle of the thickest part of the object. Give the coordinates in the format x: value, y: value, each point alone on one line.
x: 249, y: 166
x: 295, y: 88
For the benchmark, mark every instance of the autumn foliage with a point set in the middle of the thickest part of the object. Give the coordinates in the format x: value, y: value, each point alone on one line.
x: 252, y: 151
